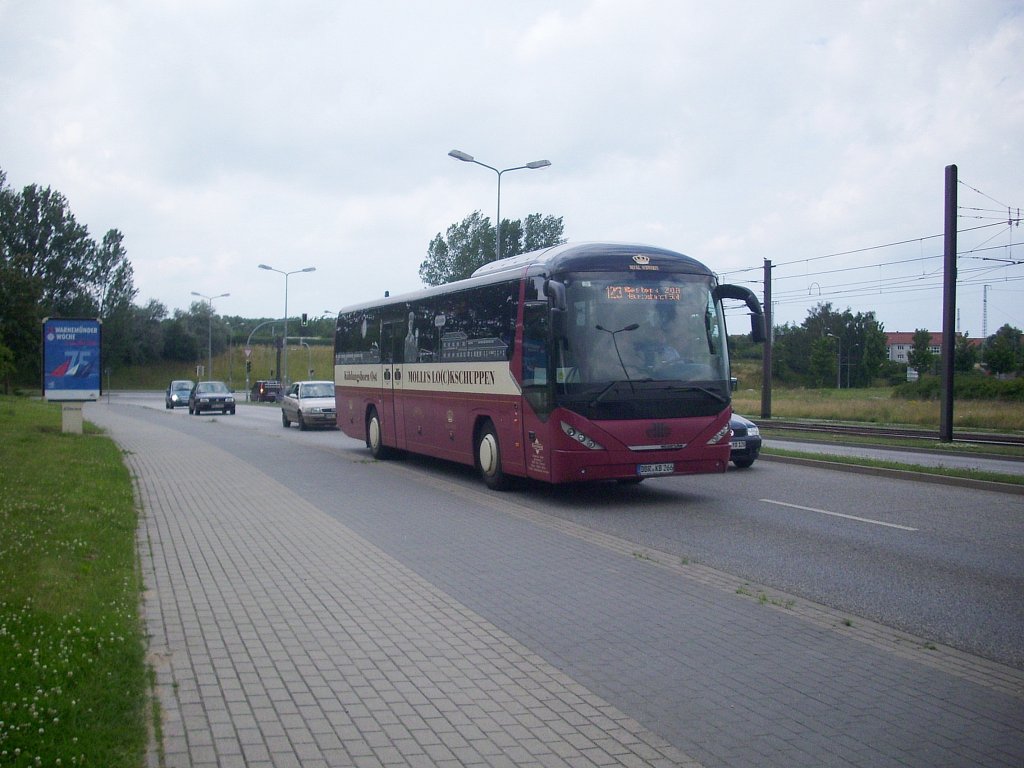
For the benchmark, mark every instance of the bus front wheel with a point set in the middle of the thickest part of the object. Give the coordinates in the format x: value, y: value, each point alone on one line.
x: 375, y: 436
x: 488, y: 459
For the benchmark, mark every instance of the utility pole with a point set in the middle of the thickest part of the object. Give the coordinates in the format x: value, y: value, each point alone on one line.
x: 948, y: 307
x: 766, y: 353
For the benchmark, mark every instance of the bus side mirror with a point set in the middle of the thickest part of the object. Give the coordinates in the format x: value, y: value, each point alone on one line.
x: 757, y: 330
x: 555, y: 291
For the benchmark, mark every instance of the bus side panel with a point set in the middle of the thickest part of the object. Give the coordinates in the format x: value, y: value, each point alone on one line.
x: 537, y: 446
x: 506, y: 415
x: 443, y: 403
x: 357, y: 388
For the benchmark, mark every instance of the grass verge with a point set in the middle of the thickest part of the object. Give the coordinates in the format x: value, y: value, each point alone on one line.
x: 860, y: 461
x: 73, y: 676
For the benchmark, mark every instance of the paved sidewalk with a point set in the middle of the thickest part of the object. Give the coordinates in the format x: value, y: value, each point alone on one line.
x: 281, y: 638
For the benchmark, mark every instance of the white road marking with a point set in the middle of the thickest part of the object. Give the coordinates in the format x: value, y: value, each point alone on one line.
x: 839, y: 514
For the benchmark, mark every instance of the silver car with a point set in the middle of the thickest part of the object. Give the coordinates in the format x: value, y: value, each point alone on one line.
x: 309, y: 404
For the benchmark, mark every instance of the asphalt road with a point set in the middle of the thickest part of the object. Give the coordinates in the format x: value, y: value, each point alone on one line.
x: 940, y: 562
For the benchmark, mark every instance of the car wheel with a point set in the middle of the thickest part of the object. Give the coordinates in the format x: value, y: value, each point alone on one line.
x: 284, y: 419
x: 190, y: 411
x: 488, y: 459
x: 232, y: 411
x: 743, y: 463
x: 302, y: 422
x: 375, y: 436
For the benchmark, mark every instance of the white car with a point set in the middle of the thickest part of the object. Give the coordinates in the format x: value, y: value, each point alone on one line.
x: 309, y: 404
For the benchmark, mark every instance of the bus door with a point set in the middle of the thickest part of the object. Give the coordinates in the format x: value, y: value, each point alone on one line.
x: 392, y: 338
x: 538, y: 389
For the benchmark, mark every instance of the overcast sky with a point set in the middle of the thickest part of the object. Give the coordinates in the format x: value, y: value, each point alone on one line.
x: 218, y: 135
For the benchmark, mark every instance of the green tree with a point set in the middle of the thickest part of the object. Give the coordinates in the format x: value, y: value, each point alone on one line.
x: 48, y: 266
x: 823, y: 362
x: 859, y: 338
x: 920, y: 357
x: 181, y: 338
x: 469, y: 244
x: 1002, y: 351
x: 146, y: 341
x: 464, y: 247
x: 6, y: 368
x: 965, y: 354
x: 113, y: 289
x: 542, y: 232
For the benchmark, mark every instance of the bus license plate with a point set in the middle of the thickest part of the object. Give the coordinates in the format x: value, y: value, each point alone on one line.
x: 647, y: 470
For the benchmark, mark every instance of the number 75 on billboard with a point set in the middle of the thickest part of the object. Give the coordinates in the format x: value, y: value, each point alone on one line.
x: 71, y: 358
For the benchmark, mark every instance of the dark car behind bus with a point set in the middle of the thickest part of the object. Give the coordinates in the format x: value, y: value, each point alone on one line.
x: 266, y: 391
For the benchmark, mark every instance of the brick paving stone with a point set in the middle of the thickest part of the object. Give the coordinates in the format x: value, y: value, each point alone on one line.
x: 228, y: 558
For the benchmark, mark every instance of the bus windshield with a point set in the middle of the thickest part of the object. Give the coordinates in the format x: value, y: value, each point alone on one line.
x: 646, y: 329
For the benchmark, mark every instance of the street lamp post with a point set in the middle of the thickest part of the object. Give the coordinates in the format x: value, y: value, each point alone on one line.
x: 209, y: 329
x: 839, y: 357
x: 284, y: 366
x: 467, y: 158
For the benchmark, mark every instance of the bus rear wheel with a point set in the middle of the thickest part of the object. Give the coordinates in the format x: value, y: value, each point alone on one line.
x: 375, y: 436
x: 488, y: 459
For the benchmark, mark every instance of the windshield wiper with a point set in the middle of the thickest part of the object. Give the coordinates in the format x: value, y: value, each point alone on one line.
x: 615, y: 343
x: 600, y: 395
x: 705, y: 390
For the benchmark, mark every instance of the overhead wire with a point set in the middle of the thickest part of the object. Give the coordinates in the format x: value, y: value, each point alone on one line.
x: 903, y: 284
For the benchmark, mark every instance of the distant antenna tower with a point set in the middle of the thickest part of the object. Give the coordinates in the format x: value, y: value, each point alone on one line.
x: 984, y: 312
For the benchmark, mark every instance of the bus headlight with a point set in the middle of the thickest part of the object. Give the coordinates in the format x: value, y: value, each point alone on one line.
x: 581, y: 438
x: 725, y: 431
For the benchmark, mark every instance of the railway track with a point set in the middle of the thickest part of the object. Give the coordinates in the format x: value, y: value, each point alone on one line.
x: 861, y: 430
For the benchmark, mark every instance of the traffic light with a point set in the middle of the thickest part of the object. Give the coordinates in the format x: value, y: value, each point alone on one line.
x: 305, y: 321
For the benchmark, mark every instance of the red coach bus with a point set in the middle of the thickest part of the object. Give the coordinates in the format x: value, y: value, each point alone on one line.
x: 579, y: 362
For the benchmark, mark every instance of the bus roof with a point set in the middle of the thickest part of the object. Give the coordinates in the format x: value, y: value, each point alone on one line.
x: 568, y: 257
x: 594, y: 257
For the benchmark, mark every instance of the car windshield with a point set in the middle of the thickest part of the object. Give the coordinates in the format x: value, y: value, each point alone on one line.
x: 316, y: 390
x: 181, y: 385
x: 212, y: 387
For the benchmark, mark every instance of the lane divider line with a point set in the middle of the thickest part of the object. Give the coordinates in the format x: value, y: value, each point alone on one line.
x: 838, y: 514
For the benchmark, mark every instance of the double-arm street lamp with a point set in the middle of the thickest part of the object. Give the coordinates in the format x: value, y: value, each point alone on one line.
x: 284, y: 365
x: 209, y: 329
x: 466, y: 158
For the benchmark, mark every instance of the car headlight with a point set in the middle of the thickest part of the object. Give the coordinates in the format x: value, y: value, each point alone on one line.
x: 753, y: 432
x: 316, y: 409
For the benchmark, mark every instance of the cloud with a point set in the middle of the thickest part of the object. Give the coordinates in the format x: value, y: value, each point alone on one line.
x: 220, y: 135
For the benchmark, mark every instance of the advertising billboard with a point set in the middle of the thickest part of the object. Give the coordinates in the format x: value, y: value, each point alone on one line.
x: 71, y: 358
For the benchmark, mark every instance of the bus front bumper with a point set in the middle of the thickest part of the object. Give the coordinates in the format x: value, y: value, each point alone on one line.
x: 590, y: 466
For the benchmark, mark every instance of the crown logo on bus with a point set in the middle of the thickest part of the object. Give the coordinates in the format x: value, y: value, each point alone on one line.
x: 642, y: 260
